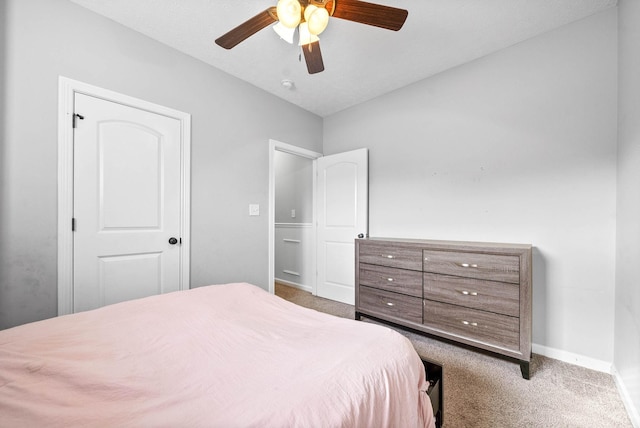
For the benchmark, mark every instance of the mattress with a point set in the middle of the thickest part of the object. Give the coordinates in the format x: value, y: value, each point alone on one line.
x: 227, y: 355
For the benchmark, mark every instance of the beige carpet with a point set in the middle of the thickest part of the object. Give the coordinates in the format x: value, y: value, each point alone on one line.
x: 486, y: 391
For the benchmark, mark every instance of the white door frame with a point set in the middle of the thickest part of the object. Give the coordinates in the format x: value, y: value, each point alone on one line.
x: 275, y: 146
x: 67, y: 88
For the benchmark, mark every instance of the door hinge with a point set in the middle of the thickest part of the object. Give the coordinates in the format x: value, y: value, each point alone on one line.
x: 76, y: 116
x: 73, y: 224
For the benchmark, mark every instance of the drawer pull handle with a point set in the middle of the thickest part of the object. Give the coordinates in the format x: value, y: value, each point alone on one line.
x: 469, y: 293
x: 389, y: 256
x: 473, y: 324
x: 468, y: 265
x: 390, y: 304
x: 390, y: 279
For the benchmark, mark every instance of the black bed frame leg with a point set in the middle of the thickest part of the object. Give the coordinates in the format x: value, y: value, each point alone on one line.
x: 524, y: 368
x: 358, y: 316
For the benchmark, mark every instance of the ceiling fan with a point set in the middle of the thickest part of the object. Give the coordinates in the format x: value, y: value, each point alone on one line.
x: 311, y: 17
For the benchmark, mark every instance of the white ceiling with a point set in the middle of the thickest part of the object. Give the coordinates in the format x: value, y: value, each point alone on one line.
x: 361, y: 62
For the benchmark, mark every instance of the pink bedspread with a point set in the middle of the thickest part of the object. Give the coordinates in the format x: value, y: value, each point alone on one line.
x: 219, y: 356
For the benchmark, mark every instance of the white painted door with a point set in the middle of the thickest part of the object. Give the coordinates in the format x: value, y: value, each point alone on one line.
x: 127, y: 203
x: 342, y: 216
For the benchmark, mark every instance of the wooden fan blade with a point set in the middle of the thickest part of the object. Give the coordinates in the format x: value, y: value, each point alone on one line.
x: 313, y: 57
x: 248, y: 28
x: 377, y: 15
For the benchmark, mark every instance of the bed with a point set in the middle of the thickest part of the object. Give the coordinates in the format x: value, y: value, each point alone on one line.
x: 228, y: 355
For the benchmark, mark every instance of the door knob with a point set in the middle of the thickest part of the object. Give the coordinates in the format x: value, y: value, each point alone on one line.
x: 173, y: 241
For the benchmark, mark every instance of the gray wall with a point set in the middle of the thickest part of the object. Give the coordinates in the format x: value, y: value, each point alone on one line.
x: 293, y: 188
x: 43, y: 39
x: 519, y: 146
x: 627, y: 320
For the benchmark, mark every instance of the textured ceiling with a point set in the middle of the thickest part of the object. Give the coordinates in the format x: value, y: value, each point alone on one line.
x: 361, y: 62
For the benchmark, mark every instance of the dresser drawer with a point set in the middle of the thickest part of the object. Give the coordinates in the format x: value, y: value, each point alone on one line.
x: 502, y: 268
x: 499, y: 297
x: 392, y: 279
x: 390, y: 304
x: 390, y: 255
x: 480, y: 326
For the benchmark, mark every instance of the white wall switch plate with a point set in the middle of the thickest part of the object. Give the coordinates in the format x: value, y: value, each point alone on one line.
x: 293, y: 213
x: 254, y: 209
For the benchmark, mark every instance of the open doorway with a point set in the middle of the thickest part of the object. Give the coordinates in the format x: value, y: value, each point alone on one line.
x: 294, y: 231
x: 292, y: 216
x: 317, y: 256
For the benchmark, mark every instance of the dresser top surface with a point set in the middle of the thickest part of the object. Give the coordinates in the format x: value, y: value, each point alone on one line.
x: 453, y: 245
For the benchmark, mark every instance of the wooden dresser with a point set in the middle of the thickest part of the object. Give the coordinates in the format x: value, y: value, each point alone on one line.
x: 474, y: 293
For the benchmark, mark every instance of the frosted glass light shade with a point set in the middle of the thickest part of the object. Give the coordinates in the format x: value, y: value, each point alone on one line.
x: 305, y: 36
x: 317, y: 18
x: 308, y: 11
x: 289, y: 12
x: 285, y: 33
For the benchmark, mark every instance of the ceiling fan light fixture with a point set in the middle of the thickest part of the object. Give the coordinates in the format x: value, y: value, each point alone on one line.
x: 289, y: 12
x: 317, y: 18
x: 311, y: 18
x: 285, y: 33
x: 305, y: 36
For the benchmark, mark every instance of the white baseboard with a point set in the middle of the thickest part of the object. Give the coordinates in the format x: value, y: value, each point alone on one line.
x: 295, y: 285
x: 632, y: 410
x: 571, y: 358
